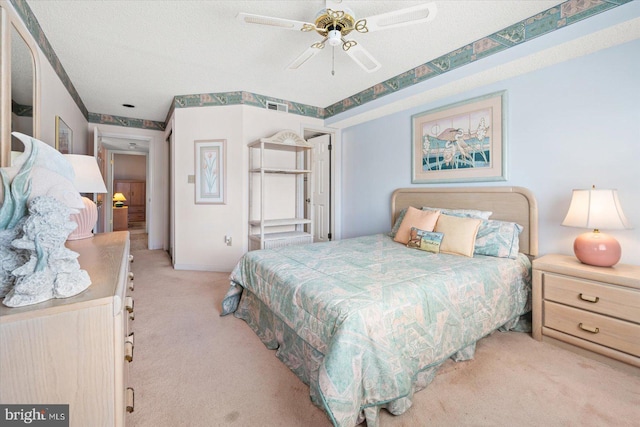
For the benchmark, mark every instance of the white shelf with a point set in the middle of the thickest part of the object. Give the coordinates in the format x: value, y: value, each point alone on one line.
x: 298, y: 230
x: 280, y: 170
x: 280, y: 222
x: 280, y: 235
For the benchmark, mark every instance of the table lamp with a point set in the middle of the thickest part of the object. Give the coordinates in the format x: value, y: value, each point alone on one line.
x: 596, y: 209
x: 88, y: 180
x: 119, y: 200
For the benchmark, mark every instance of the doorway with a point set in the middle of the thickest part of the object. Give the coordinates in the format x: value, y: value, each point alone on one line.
x: 322, y: 189
x: 126, y: 158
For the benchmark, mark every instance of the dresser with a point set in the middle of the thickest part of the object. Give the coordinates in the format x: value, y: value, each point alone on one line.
x: 76, y: 351
x: 135, y: 193
x: 594, y: 308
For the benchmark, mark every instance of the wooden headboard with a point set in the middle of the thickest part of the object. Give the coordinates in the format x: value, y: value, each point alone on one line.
x: 515, y: 204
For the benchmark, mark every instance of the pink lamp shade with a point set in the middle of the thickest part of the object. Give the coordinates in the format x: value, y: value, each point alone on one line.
x: 596, y: 209
x: 88, y: 180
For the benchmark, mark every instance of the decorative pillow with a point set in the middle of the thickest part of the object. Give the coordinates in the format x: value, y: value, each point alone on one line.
x: 425, y: 240
x: 459, y: 234
x: 396, y: 225
x: 424, y: 220
x: 464, y: 213
x: 498, y: 238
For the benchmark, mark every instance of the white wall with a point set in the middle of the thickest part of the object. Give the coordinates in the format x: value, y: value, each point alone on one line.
x: 569, y: 126
x: 200, y: 228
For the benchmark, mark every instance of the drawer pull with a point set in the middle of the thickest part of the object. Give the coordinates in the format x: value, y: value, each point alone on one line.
x: 131, y: 286
x: 129, y: 304
x: 132, y: 316
x: 131, y: 396
x: 130, y: 258
x: 131, y: 275
x: 588, y: 328
x: 589, y: 298
x: 128, y: 351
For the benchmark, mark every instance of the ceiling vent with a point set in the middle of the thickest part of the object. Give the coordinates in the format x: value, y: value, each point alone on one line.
x: 277, y: 106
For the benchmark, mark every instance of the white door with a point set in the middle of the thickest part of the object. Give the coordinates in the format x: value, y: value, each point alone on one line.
x: 322, y: 189
x: 104, y: 207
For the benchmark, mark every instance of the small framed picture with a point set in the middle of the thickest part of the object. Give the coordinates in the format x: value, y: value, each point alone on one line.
x: 64, y: 137
x: 210, y: 179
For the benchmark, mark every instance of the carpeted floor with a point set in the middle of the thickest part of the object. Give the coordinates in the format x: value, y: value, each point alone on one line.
x: 194, y: 368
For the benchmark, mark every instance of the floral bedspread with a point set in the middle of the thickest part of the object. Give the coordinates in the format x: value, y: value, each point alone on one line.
x: 380, y: 314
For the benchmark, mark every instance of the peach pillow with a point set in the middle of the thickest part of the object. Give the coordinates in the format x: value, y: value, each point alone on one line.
x: 459, y: 234
x: 424, y: 220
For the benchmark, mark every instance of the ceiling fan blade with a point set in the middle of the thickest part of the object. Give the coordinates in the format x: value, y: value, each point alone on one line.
x: 412, y: 15
x: 305, y: 56
x: 363, y: 58
x: 287, y: 24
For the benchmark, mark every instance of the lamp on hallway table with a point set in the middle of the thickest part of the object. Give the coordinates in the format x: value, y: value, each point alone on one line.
x: 596, y: 209
x: 88, y: 180
x: 119, y: 200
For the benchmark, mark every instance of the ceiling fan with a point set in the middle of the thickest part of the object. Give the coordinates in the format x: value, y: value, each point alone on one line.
x: 335, y: 22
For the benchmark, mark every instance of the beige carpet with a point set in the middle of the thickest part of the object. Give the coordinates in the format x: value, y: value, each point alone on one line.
x: 194, y: 368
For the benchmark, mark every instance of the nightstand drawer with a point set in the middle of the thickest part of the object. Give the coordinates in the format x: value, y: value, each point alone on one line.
x: 613, y: 333
x: 615, y: 301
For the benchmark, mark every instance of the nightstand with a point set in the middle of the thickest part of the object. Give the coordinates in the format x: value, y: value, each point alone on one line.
x: 594, y: 308
x: 121, y: 218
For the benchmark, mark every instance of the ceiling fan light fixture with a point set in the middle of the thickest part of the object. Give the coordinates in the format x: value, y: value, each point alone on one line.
x: 335, y: 38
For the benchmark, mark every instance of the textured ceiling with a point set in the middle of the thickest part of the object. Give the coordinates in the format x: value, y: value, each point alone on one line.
x: 146, y: 52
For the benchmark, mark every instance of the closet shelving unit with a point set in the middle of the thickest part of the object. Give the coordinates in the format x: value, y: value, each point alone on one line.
x: 266, y: 231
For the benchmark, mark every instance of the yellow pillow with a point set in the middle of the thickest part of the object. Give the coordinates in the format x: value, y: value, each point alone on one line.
x: 459, y: 234
x: 424, y: 220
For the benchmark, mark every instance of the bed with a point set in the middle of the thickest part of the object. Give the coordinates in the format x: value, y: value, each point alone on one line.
x: 367, y: 321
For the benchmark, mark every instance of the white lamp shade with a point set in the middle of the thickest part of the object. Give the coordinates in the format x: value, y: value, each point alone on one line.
x: 596, y: 209
x: 88, y: 177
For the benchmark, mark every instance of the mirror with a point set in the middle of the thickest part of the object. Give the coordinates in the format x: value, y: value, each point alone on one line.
x: 22, y: 71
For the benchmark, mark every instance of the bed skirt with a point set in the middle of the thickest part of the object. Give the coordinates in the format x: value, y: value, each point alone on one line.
x: 305, y: 361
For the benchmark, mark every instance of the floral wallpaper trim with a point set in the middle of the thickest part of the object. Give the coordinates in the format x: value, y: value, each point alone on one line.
x: 109, y: 119
x: 545, y: 22
x: 244, y: 98
x: 557, y: 17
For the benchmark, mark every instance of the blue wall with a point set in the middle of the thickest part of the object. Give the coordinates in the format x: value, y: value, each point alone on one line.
x: 570, y: 125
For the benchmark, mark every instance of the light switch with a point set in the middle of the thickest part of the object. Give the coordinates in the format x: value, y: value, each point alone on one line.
x: 191, y: 179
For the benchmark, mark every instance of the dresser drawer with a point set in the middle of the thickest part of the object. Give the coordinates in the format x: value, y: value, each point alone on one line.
x: 614, y: 333
x: 615, y: 301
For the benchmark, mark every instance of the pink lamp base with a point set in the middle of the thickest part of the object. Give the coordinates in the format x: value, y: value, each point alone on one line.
x: 599, y: 249
x: 86, y: 220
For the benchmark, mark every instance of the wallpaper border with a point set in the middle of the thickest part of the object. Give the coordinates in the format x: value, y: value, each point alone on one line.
x: 566, y: 13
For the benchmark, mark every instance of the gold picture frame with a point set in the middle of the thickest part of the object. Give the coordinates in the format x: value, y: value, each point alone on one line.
x: 64, y: 137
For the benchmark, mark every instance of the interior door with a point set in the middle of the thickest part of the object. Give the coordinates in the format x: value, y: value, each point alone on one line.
x: 101, y: 200
x: 322, y: 187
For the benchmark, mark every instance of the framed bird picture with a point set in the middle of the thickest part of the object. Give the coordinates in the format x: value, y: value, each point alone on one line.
x: 461, y: 142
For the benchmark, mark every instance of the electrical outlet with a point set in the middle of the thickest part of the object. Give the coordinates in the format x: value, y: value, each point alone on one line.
x: 227, y: 240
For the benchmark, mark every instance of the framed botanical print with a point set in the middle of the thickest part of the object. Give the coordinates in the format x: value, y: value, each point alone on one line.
x: 210, y: 179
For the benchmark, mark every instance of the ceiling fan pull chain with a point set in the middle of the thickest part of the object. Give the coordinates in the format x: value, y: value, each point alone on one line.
x: 333, y: 60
